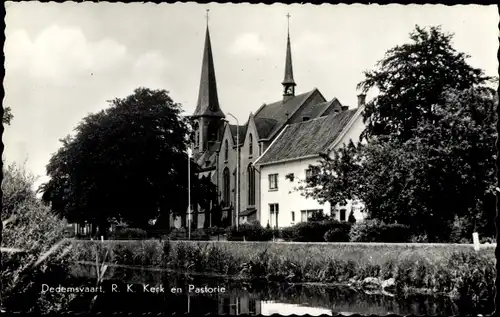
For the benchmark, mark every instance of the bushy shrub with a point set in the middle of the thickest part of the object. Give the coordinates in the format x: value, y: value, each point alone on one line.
x: 184, y: 234
x: 250, y: 232
x: 374, y: 230
x: 313, y: 231
x: 32, y: 227
x: 337, y: 235
x: 129, y: 234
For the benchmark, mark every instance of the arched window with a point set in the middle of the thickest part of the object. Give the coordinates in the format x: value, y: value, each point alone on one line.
x: 251, y: 185
x: 250, y: 145
x: 226, y: 150
x: 226, y: 187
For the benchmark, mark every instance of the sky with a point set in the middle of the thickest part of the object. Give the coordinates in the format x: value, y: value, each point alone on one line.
x: 64, y: 60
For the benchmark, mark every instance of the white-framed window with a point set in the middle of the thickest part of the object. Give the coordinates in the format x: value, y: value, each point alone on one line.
x: 273, y: 181
x: 273, y: 215
x: 306, y: 214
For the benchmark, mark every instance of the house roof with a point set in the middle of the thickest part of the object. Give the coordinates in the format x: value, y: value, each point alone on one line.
x: 280, y: 111
x: 306, y: 138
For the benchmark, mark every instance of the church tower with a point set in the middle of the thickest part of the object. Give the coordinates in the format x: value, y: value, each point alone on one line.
x: 209, y: 118
x: 288, y: 82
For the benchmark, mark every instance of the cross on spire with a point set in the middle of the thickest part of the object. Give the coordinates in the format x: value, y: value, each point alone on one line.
x: 206, y: 15
x: 288, y: 20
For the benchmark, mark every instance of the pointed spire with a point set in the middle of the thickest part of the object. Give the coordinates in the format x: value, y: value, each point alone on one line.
x: 208, y: 101
x: 288, y: 82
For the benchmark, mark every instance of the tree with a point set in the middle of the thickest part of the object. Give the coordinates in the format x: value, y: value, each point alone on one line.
x: 32, y: 227
x: 128, y: 162
x: 411, y: 80
x: 334, y: 179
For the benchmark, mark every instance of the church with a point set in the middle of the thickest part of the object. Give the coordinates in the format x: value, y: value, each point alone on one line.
x: 278, y: 137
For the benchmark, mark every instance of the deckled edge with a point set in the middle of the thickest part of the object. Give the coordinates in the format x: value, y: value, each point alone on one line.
x: 455, y: 2
x: 497, y: 216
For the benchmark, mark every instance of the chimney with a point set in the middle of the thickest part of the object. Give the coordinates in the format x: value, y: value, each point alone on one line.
x: 344, y: 108
x: 361, y: 100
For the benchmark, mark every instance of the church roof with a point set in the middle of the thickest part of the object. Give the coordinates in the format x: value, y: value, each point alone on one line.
x: 306, y: 138
x: 264, y: 126
x: 288, y: 79
x: 279, y: 111
x: 242, y: 130
x: 208, y: 100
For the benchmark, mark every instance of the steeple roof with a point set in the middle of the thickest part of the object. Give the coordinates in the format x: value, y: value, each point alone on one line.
x: 208, y: 101
x: 288, y: 80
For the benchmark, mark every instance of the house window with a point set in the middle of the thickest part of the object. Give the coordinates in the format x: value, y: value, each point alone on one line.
x: 293, y: 216
x: 252, y: 307
x: 238, y: 305
x: 342, y: 214
x: 306, y: 118
x: 250, y: 145
x: 273, y: 181
x: 273, y: 215
x: 251, y: 185
x: 226, y: 150
x: 226, y: 305
x: 306, y: 214
x: 260, y: 148
x: 226, y: 187
x: 308, y: 174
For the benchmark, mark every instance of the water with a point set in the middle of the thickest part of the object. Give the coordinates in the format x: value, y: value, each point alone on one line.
x: 229, y: 297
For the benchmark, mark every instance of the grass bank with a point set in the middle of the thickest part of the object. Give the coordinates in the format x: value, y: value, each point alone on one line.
x: 452, y: 269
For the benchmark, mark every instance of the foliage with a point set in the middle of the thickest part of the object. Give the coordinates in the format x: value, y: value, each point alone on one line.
x: 440, y: 269
x: 7, y: 115
x: 128, y: 234
x: 313, y: 231
x: 250, y: 232
x: 125, y: 162
x: 411, y: 80
x: 183, y: 234
x: 351, y: 219
x: 430, y: 155
x: 31, y: 227
x: 374, y: 230
x: 337, y: 235
x: 334, y: 178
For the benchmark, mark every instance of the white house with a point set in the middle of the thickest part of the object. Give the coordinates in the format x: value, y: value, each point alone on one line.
x: 286, y: 161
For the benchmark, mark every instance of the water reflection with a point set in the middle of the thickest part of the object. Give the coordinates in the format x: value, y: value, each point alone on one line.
x: 253, y: 298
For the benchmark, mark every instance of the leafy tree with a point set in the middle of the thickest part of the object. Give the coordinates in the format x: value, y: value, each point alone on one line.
x: 128, y: 162
x: 411, y: 80
x: 33, y: 228
x: 334, y: 179
x: 431, y: 135
x: 445, y: 171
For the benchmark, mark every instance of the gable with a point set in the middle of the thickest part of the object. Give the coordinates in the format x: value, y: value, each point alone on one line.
x: 280, y: 112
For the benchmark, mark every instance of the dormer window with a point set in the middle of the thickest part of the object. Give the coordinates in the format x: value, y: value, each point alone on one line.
x: 250, y: 145
x: 306, y: 118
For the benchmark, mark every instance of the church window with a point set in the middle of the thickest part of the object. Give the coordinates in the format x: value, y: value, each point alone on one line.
x: 226, y: 150
x: 226, y: 187
x: 250, y: 145
x: 251, y: 185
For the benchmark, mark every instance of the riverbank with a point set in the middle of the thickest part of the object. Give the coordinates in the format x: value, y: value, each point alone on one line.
x: 451, y: 269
